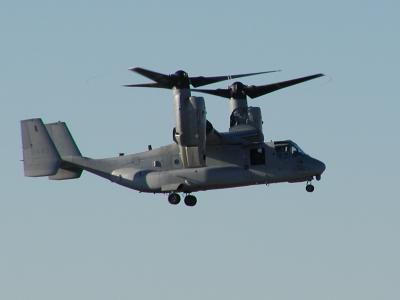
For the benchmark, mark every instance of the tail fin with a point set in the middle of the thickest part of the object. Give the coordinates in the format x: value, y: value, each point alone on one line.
x: 62, y: 139
x: 40, y: 155
x: 45, y: 146
x: 65, y: 146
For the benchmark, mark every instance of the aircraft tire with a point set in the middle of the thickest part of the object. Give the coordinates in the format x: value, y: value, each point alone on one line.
x: 174, y: 198
x: 190, y: 200
x: 310, y: 188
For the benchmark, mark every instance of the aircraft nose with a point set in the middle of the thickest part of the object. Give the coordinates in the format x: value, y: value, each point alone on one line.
x: 319, y: 166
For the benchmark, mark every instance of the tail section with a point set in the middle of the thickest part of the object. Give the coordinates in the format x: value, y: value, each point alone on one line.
x: 65, y: 146
x: 40, y: 155
x: 62, y: 139
x: 45, y: 146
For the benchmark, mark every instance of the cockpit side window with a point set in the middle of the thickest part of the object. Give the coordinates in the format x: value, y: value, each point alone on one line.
x: 283, y: 149
x: 295, y: 151
x: 287, y: 149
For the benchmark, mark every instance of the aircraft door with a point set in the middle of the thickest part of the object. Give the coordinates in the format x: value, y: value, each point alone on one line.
x: 257, y: 155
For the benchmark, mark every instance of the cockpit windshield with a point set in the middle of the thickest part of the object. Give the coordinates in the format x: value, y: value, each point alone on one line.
x: 287, y: 148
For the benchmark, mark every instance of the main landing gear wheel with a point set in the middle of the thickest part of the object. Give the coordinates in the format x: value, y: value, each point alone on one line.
x: 190, y: 200
x: 174, y: 198
x: 310, y: 188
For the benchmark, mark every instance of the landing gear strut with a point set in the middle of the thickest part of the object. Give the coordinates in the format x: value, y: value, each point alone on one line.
x: 190, y: 200
x: 174, y: 198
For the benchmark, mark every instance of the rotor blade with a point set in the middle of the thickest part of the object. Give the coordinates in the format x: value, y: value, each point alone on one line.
x: 256, y: 91
x: 157, y: 77
x: 226, y: 93
x: 150, y: 85
x: 201, y: 80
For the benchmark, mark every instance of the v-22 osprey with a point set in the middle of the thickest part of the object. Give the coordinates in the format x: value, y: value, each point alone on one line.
x: 200, y: 157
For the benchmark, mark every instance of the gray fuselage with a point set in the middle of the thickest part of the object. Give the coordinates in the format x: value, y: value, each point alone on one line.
x: 161, y: 171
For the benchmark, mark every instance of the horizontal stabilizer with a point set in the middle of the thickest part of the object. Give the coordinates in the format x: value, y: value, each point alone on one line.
x: 66, y: 172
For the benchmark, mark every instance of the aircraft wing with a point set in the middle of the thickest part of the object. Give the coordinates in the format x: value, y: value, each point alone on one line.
x: 240, y: 137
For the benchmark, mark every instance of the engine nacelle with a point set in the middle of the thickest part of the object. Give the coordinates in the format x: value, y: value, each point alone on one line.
x: 247, y: 116
x: 247, y: 120
x: 190, y: 127
x: 255, y: 118
x: 190, y: 130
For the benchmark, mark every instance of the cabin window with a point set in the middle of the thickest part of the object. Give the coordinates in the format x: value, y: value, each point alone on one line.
x: 157, y: 164
x: 176, y: 162
x: 257, y: 156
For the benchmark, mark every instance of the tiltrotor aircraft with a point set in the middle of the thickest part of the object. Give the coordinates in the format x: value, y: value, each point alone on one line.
x: 200, y: 158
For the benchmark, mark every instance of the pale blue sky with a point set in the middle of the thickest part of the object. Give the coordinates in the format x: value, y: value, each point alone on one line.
x: 90, y: 239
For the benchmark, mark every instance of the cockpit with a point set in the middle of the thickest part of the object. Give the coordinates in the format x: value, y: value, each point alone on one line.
x: 287, y: 149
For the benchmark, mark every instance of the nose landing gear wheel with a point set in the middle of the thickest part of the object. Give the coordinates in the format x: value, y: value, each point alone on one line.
x: 310, y: 188
x: 190, y: 200
x: 174, y: 198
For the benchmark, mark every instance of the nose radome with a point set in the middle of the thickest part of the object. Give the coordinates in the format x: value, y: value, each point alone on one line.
x: 320, y: 166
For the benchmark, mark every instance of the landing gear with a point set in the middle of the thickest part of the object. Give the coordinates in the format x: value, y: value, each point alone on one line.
x: 174, y: 198
x: 190, y: 200
x: 309, y: 188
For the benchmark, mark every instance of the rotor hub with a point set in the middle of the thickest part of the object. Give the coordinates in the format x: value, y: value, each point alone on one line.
x: 238, y: 90
x: 180, y: 79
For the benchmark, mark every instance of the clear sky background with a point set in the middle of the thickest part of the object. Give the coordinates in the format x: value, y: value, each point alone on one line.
x: 91, y: 239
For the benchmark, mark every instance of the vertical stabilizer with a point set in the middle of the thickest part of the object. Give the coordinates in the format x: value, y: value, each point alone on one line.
x: 66, y: 147
x: 40, y: 155
x: 62, y: 139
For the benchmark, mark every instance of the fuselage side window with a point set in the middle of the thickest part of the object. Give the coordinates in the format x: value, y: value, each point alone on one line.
x: 257, y: 156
